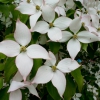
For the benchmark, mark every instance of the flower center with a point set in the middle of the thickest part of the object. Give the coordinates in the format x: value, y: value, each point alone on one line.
x: 51, y: 25
x: 22, y: 49
x: 37, y: 7
x: 98, y: 29
x: 28, y: 1
x: 54, y: 68
x: 75, y: 36
x: 83, y: 23
x: 98, y: 12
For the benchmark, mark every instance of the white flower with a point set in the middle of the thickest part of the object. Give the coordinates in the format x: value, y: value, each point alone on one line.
x: 53, y: 28
x: 77, y: 96
x: 60, y: 8
x: 24, y: 54
x: 50, y: 71
x: 36, y: 8
x: 15, y: 93
x: 74, y: 45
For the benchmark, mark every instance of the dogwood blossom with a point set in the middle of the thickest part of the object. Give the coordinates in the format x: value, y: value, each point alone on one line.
x: 53, y: 29
x: 51, y: 71
x: 16, y: 85
x: 19, y: 48
x: 74, y: 45
x: 60, y: 9
x: 36, y: 8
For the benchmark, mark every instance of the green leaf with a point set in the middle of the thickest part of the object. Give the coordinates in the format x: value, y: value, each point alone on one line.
x: 54, y: 47
x: 53, y: 91
x: 78, y: 4
x: 23, y: 18
x: 78, y: 78
x: 10, y: 69
x: 3, y: 94
x: 91, y: 49
x: 15, y: 13
x: 1, y: 82
x: 2, y: 66
x: 70, y: 13
x: 2, y: 56
x: 5, y: 10
x: 70, y: 88
x: 49, y: 97
x: 6, y: 1
x: 37, y: 64
x: 84, y: 47
x: 9, y: 37
x: 35, y: 36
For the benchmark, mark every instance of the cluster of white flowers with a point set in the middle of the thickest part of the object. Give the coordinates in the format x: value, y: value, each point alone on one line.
x: 6, y: 21
x: 77, y: 96
x: 93, y: 90
x: 59, y: 28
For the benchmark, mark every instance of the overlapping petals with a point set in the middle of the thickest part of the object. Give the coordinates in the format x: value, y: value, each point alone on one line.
x: 15, y: 90
x: 53, y: 29
x: 50, y: 71
x: 24, y: 54
x: 74, y: 45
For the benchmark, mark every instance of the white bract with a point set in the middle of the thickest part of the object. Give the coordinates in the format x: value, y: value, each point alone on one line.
x: 53, y: 28
x: 60, y: 8
x: 24, y: 61
x: 55, y: 73
x: 36, y: 8
x: 16, y: 85
x: 74, y: 45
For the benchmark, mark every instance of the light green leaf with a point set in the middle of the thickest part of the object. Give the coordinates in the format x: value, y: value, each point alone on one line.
x: 84, y: 47
x: 78, y: 78
x: 10, y: 69
x: 70, y: 88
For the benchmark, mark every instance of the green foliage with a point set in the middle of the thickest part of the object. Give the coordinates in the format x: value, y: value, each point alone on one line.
x: 9, y: 69
x: 37, y: 64
x: 1, y: 82
x: 3, y: 94
x: 78, y: 78
x: 53, y: 91
x: 6, y: 1
x: 70, y: 88
x: 54, y: 47
x: 78, y: 4
x: 91, y: 49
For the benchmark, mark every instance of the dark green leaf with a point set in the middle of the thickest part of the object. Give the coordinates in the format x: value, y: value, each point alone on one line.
x: 91, y: 49
x: 70, y: 88
x: 5, y: 10
x: 1, y: 82
x: 10, y: 69
x: 2, y: 67
x: 35, y: 37
x: 78, y: 4
x: 37, y: 64
x: 54, y: 47
x: 3, y: 94
x: 70, y: 13
x: 78, y: 78
x: 53, y: 91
